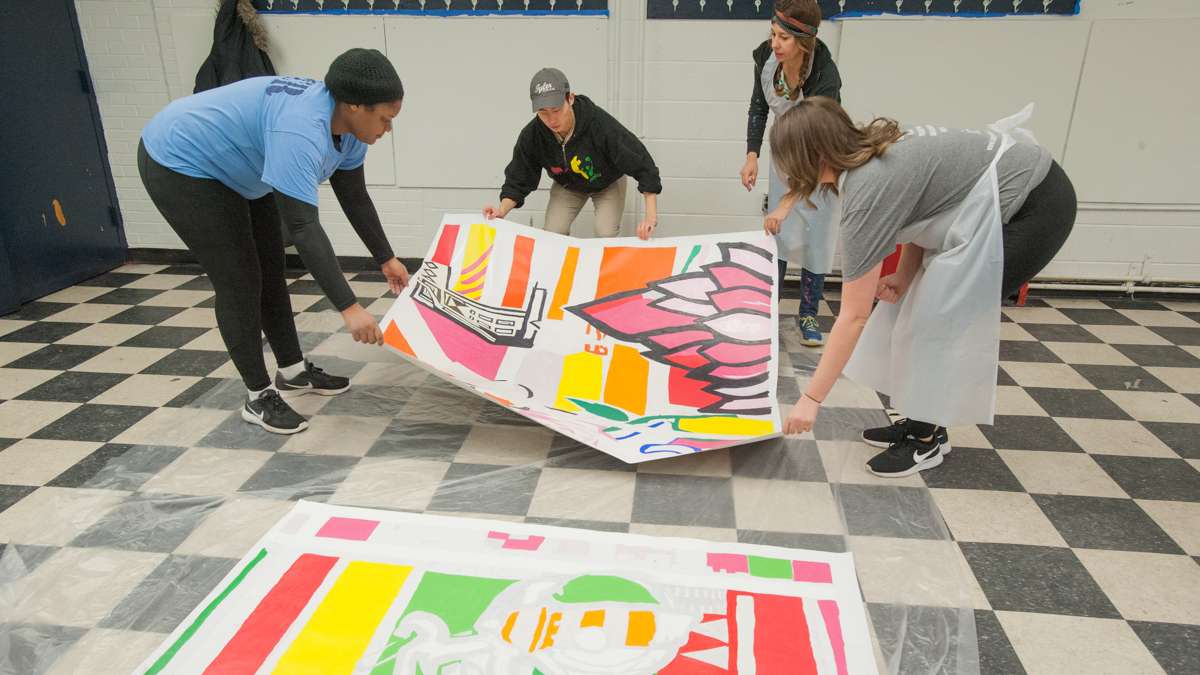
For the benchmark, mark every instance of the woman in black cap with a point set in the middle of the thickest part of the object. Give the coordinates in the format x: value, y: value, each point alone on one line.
x: 226, y: 165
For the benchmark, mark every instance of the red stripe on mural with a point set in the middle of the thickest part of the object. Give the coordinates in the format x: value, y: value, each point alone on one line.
x: 781, y: 640
x: 518, y: 276
x: 445, y: 247
x: 265, y: 626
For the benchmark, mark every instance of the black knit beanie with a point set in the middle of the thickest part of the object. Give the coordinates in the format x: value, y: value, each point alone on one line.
x: 365, y: 77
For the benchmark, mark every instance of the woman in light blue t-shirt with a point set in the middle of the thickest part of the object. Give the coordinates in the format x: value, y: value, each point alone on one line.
x: 226, y: 166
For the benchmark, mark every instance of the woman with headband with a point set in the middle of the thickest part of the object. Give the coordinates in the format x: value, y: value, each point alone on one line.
x: 791, y: 65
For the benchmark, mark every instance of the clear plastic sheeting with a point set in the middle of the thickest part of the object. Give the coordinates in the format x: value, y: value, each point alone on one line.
x: 98, y: 571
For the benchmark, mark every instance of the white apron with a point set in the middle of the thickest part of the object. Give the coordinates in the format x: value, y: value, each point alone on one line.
x: 807, y: 237
x: 935, y: 352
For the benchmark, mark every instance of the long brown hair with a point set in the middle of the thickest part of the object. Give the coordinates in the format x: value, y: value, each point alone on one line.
x: 807, y: 13
x: 818, y: 132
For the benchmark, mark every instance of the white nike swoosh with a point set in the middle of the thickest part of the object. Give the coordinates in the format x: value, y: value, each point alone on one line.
x: 254, y: 412
x: 922, y: 457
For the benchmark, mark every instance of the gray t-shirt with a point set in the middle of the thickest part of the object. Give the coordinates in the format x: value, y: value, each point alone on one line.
x: 927, y: 171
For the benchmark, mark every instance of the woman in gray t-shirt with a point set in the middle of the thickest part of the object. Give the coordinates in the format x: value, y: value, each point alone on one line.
x: 979, y: 214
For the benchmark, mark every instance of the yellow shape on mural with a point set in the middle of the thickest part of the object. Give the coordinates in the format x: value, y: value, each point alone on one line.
x: 582, y: 375
x: 336, y: 636
x: 475, y: 260
x: 733, y: 426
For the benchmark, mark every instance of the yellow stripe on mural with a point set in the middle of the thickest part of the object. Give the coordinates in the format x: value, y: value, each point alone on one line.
x: 336, y: 636
x: 475, y: 260
x: 581, y: 378
x: 628, y: 373
x: 733, y: 426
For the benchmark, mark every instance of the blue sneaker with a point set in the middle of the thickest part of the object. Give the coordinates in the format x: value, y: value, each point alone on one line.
x: 810, y: 332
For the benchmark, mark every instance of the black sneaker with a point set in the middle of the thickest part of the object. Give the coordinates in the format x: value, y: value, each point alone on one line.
x: 906, y: 458
x: 882, y: 437
x: 311, y: 380
x: 272, y: 413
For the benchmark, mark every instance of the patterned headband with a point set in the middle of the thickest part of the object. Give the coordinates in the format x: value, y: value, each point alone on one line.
x: 793, y: 26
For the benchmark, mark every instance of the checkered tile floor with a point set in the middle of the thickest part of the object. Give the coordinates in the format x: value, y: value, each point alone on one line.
x: 129, y: 485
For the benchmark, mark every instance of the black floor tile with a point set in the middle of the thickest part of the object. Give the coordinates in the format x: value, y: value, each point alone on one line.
x: 92, y: 422
x: 143, y: 315
x: 83, y: 470
x: 1097, y: 317
x: 1175, y: 646
x: 683, y: 500
x: 194, y: 392
x: 996, y: 653
x: 1047, y: 332
x: 1027, y: 432
x: 113, y: 279
x: 125, y: 296
x: 1120, y: 378
x: 973, y: 469
x: 164, y: 337
x: 420, y: 440
x: 43, y: 331
x: 1159, y: 355
x: 11, y: 494
x: 1026, y: 351
x: 155, y: 523
x: 1179, y: 335
x: 1105, y: 523
x: 1153, y: 477
x: 486, y: 488
x: 36, y: 311
x: 1042, y: 579
x: 295, y: 476
x: 1182, y: 437
x: 1079, y: 403
x: 778, y: 459
x: 56, y: 357
x: 188, y: 362
x: 73, y: 387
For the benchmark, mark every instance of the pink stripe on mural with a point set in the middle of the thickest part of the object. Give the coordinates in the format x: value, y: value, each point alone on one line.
x: 833, y: 625
x: 353, y: 529
x: 732, y: 563
x: 530, y: 543
x: 812, y: 572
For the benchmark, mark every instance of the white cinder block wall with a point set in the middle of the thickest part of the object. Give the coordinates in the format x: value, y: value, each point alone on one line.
x: 1121, y: 127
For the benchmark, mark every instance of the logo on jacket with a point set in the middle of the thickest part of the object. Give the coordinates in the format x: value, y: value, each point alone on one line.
x: 584, y: 168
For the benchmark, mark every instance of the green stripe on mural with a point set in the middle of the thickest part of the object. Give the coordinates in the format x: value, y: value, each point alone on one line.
x: 191, y: 630
x: 695, y: 251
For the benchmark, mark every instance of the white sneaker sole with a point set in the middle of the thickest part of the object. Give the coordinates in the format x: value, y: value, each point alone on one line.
x: 293, y: 393
x: 254, y: 419
x: 946, y: 447
x: 916, y: 468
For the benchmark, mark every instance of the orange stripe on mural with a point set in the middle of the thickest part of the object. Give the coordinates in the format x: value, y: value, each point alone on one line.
x: 394, y: 338
x: 624, y: 268
x: 566, y: 279
x: 628, y: 373
x: 518, y: 276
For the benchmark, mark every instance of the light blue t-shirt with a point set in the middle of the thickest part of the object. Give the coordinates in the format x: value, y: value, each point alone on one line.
x: 255, y: 135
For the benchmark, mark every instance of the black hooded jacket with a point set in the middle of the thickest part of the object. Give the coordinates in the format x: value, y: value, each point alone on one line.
x: 599, y: 151
x: 239, y: 48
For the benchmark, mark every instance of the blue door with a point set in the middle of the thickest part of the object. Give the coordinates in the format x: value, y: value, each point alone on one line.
x: 59, y: 222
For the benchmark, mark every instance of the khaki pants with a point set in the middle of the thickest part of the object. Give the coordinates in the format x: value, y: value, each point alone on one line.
x: 565, y: 204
